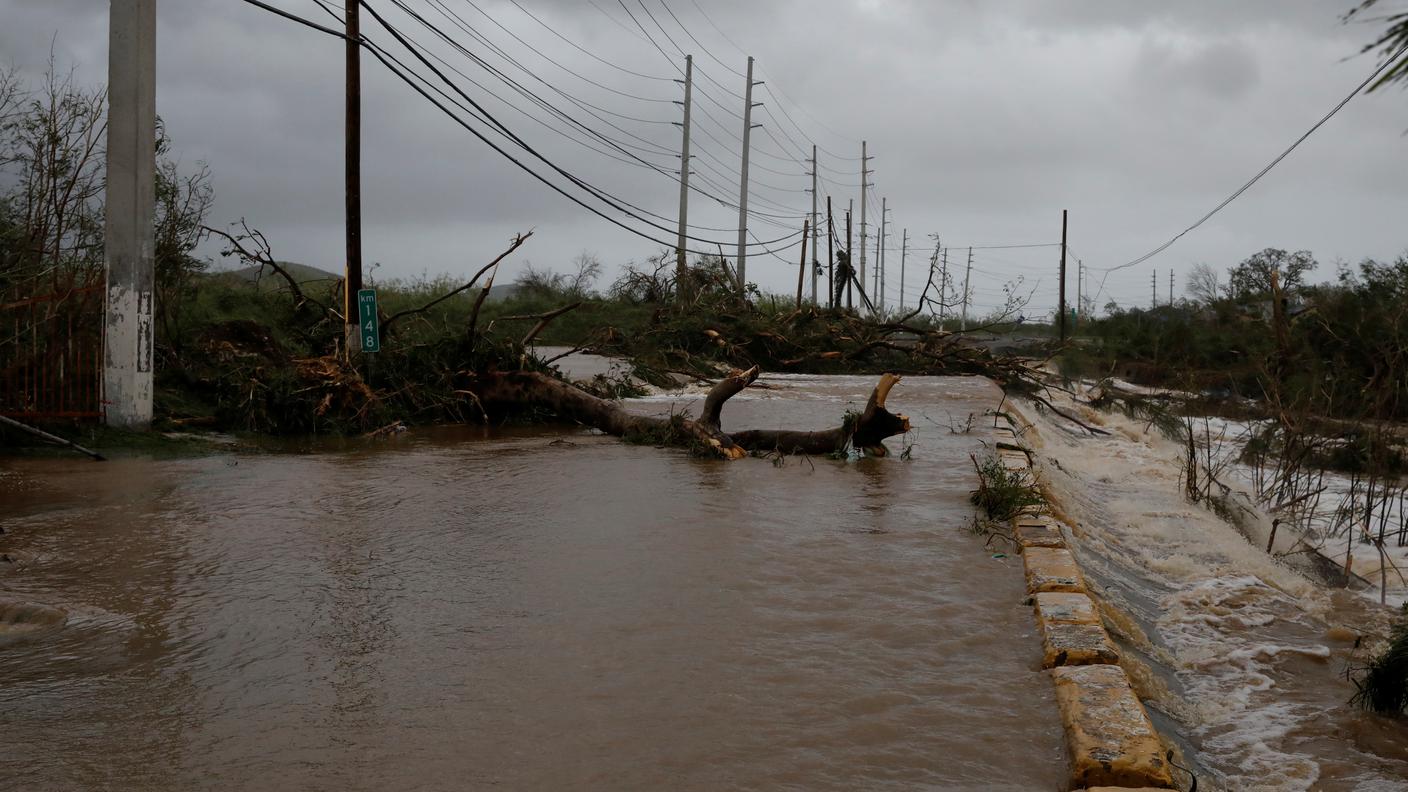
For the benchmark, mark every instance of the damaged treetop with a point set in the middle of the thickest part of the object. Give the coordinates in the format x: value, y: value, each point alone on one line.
x: 288, y: 373
x: 864, y: 431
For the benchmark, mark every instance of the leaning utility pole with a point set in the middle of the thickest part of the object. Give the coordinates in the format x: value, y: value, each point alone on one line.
x: 129, y: 225
x: 743, y: 181
x: 864, y: 187
x: 352, y: 282
x: 816, y: 265
x: 681, y: 264
x: 1062, y: 302
x: 904, y: 253
x: 963, y: 323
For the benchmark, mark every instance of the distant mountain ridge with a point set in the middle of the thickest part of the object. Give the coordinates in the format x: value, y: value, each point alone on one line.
x: 304, y: 273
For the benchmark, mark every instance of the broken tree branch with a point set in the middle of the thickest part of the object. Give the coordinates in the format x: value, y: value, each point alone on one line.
x: 517, y: 243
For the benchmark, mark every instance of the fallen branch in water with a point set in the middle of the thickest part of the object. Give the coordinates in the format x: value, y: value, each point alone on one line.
x: 866, y: 430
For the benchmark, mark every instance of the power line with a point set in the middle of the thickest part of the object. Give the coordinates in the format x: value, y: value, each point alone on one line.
x: 533, y: 97
x: 590, y: 54
x: 574, y: 72
x: 390, y: 62
x: 1229, y: 199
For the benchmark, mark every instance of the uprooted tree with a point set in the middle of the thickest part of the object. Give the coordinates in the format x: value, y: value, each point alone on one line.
x: 864, y: 431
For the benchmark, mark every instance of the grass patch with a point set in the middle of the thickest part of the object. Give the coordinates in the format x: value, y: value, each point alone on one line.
x: 1381, y: 685
x: 1003, y: 494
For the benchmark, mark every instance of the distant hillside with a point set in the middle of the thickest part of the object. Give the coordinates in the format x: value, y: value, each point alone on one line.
x: 300, y: 272
x: 306, y: 274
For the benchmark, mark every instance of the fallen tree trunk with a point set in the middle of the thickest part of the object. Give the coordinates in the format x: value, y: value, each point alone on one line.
x: 704, y: 435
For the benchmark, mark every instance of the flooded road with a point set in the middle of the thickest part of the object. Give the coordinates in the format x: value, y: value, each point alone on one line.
x: 464, y: 609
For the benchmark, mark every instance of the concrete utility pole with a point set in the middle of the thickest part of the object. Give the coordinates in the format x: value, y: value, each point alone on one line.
x: 864, y: 187
x: 1154, y: 285
x: 802, y: 265
x: 904, y: 253
x: 1062, y: 302
x: 1080, y: 288
x: 850, y: 256
x: 1170, y: 287
x: 963, y: 323
x: 830, y: 255
x: 943, y: 289
x: 129, y: 227
x: 743, y: 180
x: 353, y: 280
x: 681, y: 263
x: 879, y: 287
x: 816, y: 265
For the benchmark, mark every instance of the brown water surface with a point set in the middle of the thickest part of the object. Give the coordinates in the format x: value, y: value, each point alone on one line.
x: 472, y: 609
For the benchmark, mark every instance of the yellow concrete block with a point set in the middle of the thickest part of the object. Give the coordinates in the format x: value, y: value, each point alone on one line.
x: 1051, y: 569
x: 1108, y: 734
x: 1017, y: 467
x: 1076, y: 645
x: 1058, y: 607
x: 1071, y: 631
x: 1036, y: 530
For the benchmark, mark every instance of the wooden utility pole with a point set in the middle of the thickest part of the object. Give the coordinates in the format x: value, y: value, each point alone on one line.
x: 815, y: 265
x: 743, y: 181
x: 681, y: 263
x: 129, y: 222
x: 1062, y: 302
x: 802, y: 265
x: 352, y: 282
x: 830, y: 256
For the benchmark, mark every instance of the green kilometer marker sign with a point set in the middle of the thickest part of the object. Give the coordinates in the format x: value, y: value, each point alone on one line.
x: 367, y: 319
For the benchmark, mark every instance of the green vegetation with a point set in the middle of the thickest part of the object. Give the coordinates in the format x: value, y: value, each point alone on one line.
x: 1336, y: 349
x: 1003, y: 494
x: 1381, y: 685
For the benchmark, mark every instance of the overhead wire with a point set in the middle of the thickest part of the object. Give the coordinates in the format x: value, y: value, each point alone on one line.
x: 1385, y: 64
x: 391, y: 63
x: 459, y: 22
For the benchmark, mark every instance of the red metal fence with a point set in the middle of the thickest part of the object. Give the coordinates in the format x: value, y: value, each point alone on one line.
x: 51, y: 355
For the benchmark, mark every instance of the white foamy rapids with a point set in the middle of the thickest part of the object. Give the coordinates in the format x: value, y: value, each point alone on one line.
x: 1230, y: 625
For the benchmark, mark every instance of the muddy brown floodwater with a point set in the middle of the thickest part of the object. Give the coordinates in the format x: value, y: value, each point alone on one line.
x: 470, y: 609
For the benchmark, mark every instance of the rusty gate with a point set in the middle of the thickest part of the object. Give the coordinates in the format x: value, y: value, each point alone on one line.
x: 51, y: 355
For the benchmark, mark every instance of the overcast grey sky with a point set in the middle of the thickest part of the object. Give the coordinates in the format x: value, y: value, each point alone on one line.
x: 985, y: 121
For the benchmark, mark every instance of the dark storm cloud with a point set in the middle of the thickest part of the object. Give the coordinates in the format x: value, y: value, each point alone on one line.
x: 986, y: 119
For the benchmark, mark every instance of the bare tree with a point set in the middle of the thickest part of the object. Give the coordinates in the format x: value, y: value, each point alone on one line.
x: 1204, y: 284
x: 588, y: 272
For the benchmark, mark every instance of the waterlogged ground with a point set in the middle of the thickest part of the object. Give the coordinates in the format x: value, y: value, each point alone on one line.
x: 1241, y: 657
x: 462, y: 609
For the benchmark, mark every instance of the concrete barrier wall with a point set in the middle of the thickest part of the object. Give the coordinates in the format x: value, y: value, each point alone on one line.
x: 1110, y: 740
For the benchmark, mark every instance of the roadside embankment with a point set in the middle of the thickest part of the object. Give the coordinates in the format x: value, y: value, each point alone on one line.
x: 1110, y: 740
